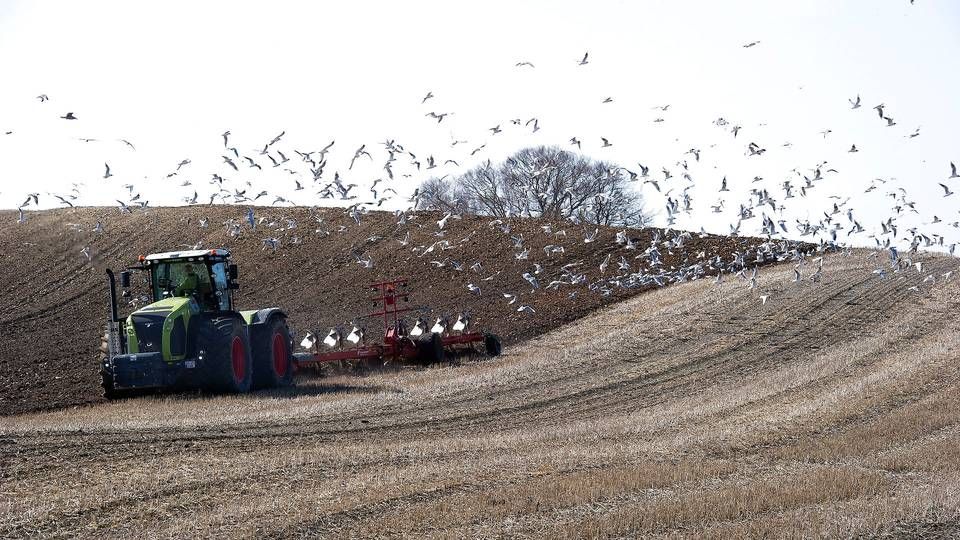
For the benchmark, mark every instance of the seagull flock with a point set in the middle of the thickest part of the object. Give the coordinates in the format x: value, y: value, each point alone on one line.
x: 626, y: 264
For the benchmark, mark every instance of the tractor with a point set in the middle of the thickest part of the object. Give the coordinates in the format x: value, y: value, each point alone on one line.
x: 192, y: 335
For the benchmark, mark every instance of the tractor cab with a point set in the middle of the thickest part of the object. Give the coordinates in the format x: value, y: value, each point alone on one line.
x: 205, y: 276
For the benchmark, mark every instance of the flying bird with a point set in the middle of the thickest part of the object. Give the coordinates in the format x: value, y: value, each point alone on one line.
x: 107, y: 174
x: 751, y: 44
x: 522, y: 64
x: 953, y: 171
x: 426, y: 97
x: 946, y: 190
x: 855, y: 104
x: 584, y: 61
x: 69, y: 116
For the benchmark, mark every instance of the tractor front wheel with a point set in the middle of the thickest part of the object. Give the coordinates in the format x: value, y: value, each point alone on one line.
x: 226, y: 350
x: 272, y: 361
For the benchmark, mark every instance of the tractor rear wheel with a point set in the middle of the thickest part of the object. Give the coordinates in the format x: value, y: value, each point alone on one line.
x: 431, y: 349
x: 226, y: 349
x: 491, y: 342
x: 272, y: 361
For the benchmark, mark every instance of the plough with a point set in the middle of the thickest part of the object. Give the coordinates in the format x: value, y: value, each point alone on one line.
x: 401, y: 344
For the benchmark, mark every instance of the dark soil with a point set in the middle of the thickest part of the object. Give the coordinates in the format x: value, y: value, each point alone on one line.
x: 55, y: 302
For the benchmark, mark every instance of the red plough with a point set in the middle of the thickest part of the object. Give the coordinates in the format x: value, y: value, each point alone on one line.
x: 400, y: 343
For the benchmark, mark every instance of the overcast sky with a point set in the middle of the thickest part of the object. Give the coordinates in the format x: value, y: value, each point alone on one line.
x: 170, y: 77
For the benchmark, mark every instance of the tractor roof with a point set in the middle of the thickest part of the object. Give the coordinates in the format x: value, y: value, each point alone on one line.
x: 194, y: 253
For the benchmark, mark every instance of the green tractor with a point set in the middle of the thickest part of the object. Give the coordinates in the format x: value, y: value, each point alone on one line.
x: 192, y: 335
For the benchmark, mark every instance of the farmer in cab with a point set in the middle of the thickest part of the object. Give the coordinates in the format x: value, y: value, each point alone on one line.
x: 190, y: 282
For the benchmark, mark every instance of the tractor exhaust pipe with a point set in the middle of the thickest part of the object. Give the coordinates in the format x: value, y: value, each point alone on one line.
x: 114, y: 316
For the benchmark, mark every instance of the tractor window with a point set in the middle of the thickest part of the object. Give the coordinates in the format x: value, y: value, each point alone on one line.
x: 219, y: 273
x: 181, y: 278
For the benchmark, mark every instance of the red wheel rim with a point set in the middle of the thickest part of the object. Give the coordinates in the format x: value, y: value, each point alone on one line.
x: 279, y: 355
x: 239, y: 359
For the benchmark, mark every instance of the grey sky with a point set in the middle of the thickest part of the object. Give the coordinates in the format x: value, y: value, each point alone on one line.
x: 170, y: 77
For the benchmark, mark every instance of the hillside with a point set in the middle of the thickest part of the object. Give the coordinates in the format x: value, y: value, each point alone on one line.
x: 53, y: 300
x: 697, y: 411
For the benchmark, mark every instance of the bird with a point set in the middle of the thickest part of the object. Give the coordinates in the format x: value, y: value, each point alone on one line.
x: 496, y: 129
x: 107, y: 174
x: 526, y: 309
x: 21, y: 218
x: 584, y: 61
x: 473, y: 288
x: 575, y: 141
x: 607, y: 100
x: 69, y: 116
x: 953, y: 171
x: 128, y: 143
x: 511, y: 297
x: 531, y: 280
x: 763, y: 299
x: 438, y: 117
x: 86, y: 253
x: 360, y: 152
x: 946, y: 190
x: 524, y: 63
x: 603, y: 265
x: 276, y: 139
x: 751, y: 44
x: 426, y: 97
x: 853, y: 149
x: 42, y: 98
x: 442, y: 222
x: 606, y: 143
x: 855, y: 104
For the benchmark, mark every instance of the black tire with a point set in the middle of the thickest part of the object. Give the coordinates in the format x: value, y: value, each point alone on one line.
x: 431, y: 349
x: 272, y: 358
x: 106, y: 383
x: 491, y: 343
x: 106, y: 378
x: 226, y: 355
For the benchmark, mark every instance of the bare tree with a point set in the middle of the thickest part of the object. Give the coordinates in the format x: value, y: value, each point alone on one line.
x: 541, y: 182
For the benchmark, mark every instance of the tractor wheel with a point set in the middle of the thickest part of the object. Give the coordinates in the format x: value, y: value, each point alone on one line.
x: 226, y: 349
x: 109, y: 392
x: 492, y: 345
x: 106, y: 378
x: 272, y: 361
x: 431, y: 350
